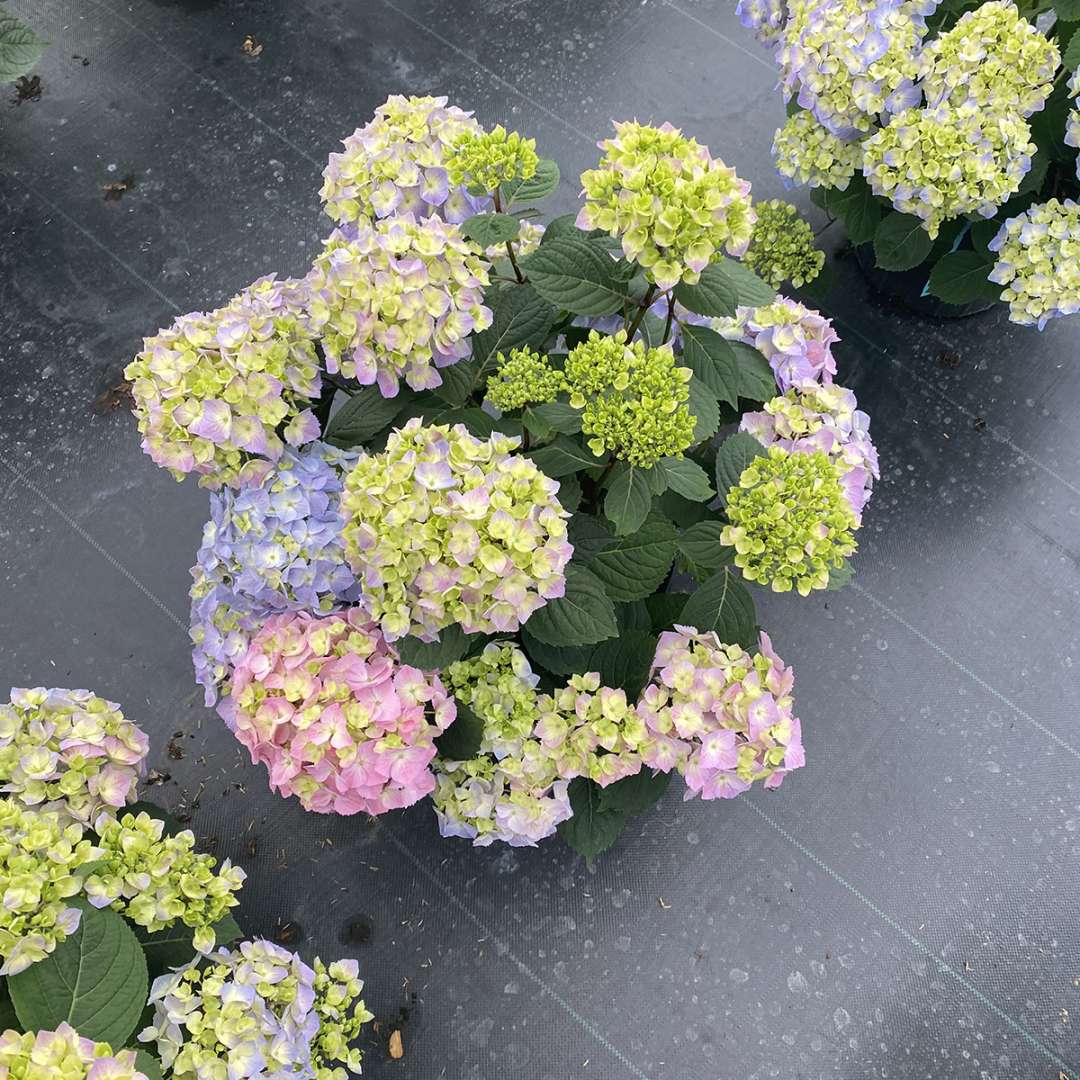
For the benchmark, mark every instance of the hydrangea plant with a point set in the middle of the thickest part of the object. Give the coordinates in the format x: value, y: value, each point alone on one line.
x: 942, y: 134
x: 102, y: 895
x: 528, y: 471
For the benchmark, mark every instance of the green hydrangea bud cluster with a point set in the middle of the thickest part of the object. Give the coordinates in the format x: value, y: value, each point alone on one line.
x: 633, y: 399
x: 782, y: 246
x: 489, y: 158
x: 157, y: 880
x: 806, y: 152
x: 790, y: 522
x: 342, y: 1014
x: 941, y: 163
x: 1038, y: 262
x: 993, y: 58
x: 63, y: 1055
x: 40, y: 863
x: 673, y: 205
x: 525, y: 377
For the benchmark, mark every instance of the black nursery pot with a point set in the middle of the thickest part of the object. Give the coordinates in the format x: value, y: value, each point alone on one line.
x: 907, y: 287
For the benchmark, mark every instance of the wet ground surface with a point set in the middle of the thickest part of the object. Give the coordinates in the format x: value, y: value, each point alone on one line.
x: 904, y: 907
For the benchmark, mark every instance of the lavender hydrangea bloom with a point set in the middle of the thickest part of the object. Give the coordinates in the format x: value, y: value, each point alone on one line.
x: 271, y: 548
x: 765, y: 18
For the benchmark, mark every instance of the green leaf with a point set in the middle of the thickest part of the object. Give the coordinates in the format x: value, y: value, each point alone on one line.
x: 9, y: 1020
x: 563, y: 457
x: 542, y: 183
x: 147, y: 1064
x: 554, y: 416
x: 665, y: 609
x: 857, y: 207
x: 487, y: 230
x: 628, y: 499
x: 457, y: 384
x: 1070, y: 55
x: 173, y: 947
x: 1048, y: 126
x: 569, y: 493
x: 901, y: 242
x: 632, y: 616
x: 363, y: 416
x: 730, y: 369
x: 589, y: 536
x: 1035, y: 176
x: 735, y: 453
x: 960, y: 278
x: 625, y: 662
x: 750, y: 290
x: 592, y: 829
x: 576, y: 275
x: 20, y: 48
x: 687, y: 478
x: 635, y: 794
x: 452, y: 645
x: 558, y: 659
x: 583, y: 616
x: 703, y: 409
x: 723, y: 604
x: 982, y: 232
x: 680, y: 510
x: 715, y: 293
x: 461, y: 740
x: 701, y: 545
x: 95, y: 980
x: 520, y: 317
x: 1067, y: 10
x: 565, y: 225
x: 634, y: 566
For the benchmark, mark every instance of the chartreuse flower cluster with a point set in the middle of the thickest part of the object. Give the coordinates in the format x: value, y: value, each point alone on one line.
x: 722, y: 717
x: 257, y: 1010
x: 673, y: 206
x: 796, y: 340
x: 765, y: 17
x: 824, y: 418
x: 397, y: 299
x: 1038, y: 262
x: 790, y: 521
x: 992, y: 58
x: 485, y: 159
x: 41, y: 864
x: 444, y: 528
x: 213, y: 392
x: 69, y: 752
x: 273, y: 546
x: 941, y: 163
x: 525, y: 377
x: 63, y: 1054
x: 326, y: 706
x: 633, y: 398
x: 782, y: 246
x: 806, y: 152
x: 157, y: 880
x: 396, y: 164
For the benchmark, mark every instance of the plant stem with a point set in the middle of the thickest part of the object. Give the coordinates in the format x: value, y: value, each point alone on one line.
x: 509, y: 243
x: 650, y: 296
x: 670, y: 316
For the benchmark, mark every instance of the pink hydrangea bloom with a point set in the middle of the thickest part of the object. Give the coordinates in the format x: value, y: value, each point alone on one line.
x: 722, y: 717
x: 338, y: 721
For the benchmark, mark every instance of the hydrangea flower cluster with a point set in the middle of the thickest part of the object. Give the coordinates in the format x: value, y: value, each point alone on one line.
x: 326, y: 706
x: 63, y: 1054
x: 510, y: 791
x: 672, y: 204
x: 255, y: 1011
x: 486, y: 159
x: 723, y: 718
x: 633, y: 399
x: 849, y: 61
x: 69, y: 752
x: 525, y: 377
x: 446, y: 528
x: 782, y: 246
x: 1072, y: 121
x: 796, y: 340
x: 992, y: 58
x: 274, y: 546
x: 40, y: 863
x: 765, y: 18
x: 397, y: 299
x: 212, y: 390
x: 790, y: 520
x: 1038, y: 262
x: 396, y: 164
x: 825, y: 418
x: 806, y: 152
x: 941, y: 163
x: 157, y: 880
